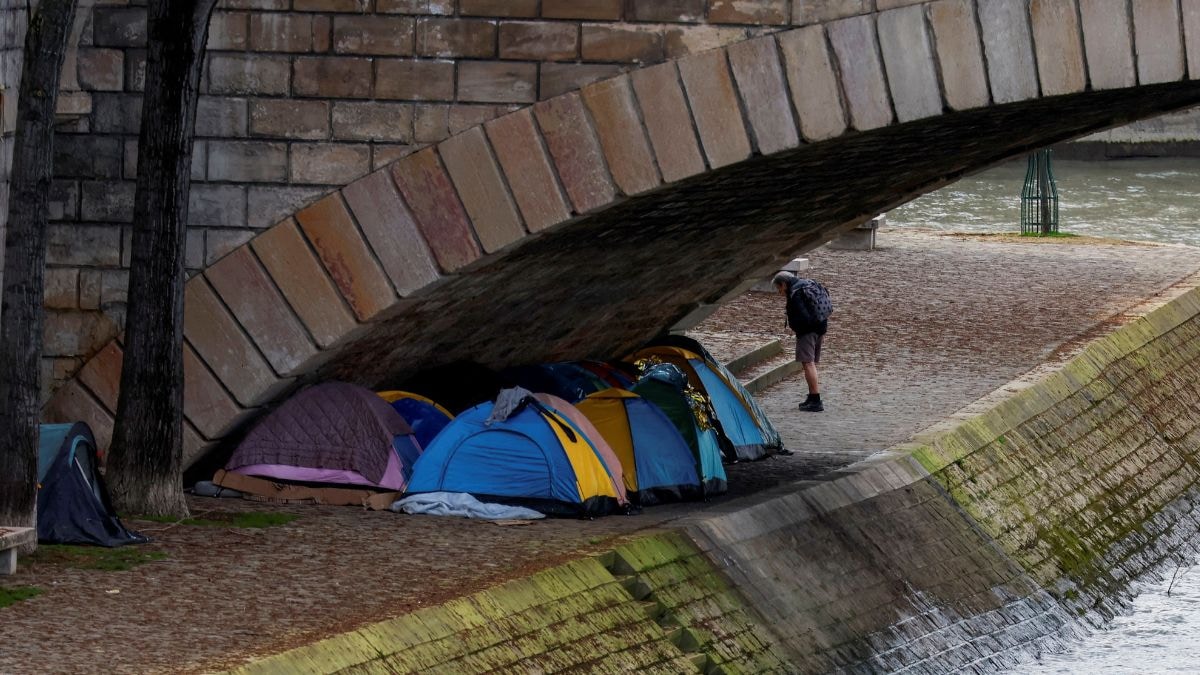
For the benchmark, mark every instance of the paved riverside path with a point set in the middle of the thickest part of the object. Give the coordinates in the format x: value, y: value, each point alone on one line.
x: 924, y: 325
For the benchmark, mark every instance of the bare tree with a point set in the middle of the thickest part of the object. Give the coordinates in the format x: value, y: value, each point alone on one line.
x: 145, y: 460
x: 25, y: 259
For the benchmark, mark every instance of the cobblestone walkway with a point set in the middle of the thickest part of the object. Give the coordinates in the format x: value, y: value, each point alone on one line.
x: 923, y: 326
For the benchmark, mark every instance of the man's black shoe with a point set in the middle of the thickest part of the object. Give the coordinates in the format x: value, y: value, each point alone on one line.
x: 812, y: 406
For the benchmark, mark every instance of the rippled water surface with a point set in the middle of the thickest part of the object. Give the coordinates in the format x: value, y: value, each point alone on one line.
x: 1149, y: 199
x: 1153, y: 200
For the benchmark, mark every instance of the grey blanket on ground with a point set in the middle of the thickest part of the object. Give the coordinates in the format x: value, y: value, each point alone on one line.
x: 462, y: 505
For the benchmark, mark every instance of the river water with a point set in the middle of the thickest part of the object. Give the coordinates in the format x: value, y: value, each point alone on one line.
x: 1146, y: 199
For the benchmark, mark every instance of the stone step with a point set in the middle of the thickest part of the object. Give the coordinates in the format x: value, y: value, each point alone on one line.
x: 773, y: 377
x: 754, y: 357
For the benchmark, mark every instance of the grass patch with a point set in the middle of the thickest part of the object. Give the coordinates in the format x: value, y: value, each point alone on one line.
x: 95, y: 557
x: 250, y: 519
x: 1049, y: 235
x: 11, y: 596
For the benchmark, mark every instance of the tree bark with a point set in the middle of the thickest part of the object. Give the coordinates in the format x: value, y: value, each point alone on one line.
x: 145, y: 460
x: 25, y: 260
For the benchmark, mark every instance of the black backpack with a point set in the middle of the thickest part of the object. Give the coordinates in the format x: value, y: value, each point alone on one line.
x: 808, y: 306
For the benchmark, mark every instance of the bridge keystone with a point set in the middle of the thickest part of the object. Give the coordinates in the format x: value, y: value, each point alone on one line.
x: 760, y: 81
x: 440, y: 216
x: 715, y: 107
x: 908, y: 59
x: 664, y: 109
x: 576, y: 152
x: 1009, y: 49
x: 621, y: 135
x: 813, y: 83
x: 522, y: 155
x: 1108, y: 42
x: 1157, y: 39
x: 391, y: 232
x: 474, y: 171
x: 959, y: 53
x: 857, y: 53
x: 1056, y: 40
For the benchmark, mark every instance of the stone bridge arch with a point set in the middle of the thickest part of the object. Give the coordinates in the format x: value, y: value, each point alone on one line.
x: 587, y: 223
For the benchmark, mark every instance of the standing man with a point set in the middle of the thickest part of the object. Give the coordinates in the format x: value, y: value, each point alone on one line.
x: 808, y: 309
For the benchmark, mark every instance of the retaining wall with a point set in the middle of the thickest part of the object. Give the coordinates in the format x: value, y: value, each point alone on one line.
x: 973, y: 547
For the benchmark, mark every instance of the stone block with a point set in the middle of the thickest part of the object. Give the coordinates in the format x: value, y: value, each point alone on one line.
x: 332, y: 77
x: 217, y: 205
x: 534, y: 186
x: 261, y: 310
x: 270, y: 32
x: 392, y: 232
x: 1108, y: 43
x: 497, y: 82
x: 267, y: 205
x: 960, y: 53
x: 86, y: 245
x: 205, y: 403
x: 101, y: 69
x: 116, y: 113
x: 371, y: 121
x: 760, y: 81
x: 289, y: 118
x: 114, y: 287
x: 64, y: 200
x: 805, y: 12
x: 436, y: 7
x: 373, y: 34
x: 219, y: 340
x: 480, y: 184
x: 752, y: 12
x: 908, y: 59
x: 431, y: 123
x: 328, y: 163
x: 539, y: 40
x: 382, y: 155
x: 119, y: 27
x: 506, y: 8
x: 462, y: 117
x: 715, y: 107
x: 350, y: 263
x: 435, y: 204
x: 86, y: 156
x: 622, y: 137
x: 681, y: 40
x: 1191, y: 36
x: 74, y: 333
x: 1056, y: 40
x: 622, y: 43
x: 135, y: 71
x: 228, y: 31
x: 575, y: 151
x: 247, y: 161
x: 1009, y: 50
x: 248, y: 74
x: 813, y: 83
x: 668, y: 121
x: 664, y: 11
x: 414, y: 80
x: 61, y: 288
x: 595, y: 10
x: 102, y: 375
x: 89, y: 289
x: 193, y: 249
x: 1157, y: 40
x: 854, y: 46
x: 456, y: 38
x: 107, y: 201
x: 559, y: 78
x: 299, y: 276
x: 219, y: 243
x: 222, y: 117
x: 74, y: 403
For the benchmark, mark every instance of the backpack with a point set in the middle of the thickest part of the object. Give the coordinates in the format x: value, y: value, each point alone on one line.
x: 808, y: 306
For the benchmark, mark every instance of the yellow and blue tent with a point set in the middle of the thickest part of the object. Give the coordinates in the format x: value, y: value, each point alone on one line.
x: 531, y: 456
x: 426, y: 417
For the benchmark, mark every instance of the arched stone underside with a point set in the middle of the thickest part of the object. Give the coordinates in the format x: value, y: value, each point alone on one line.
x: 586, y: 224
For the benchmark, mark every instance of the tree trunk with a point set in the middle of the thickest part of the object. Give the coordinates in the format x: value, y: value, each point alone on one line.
x: 145, y: 461
x: 25, y: 260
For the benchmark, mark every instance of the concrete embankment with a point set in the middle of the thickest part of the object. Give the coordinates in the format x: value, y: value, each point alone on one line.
x: 997, y: 534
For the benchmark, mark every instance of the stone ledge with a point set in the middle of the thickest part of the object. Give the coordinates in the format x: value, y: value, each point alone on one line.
x: 12, y: 539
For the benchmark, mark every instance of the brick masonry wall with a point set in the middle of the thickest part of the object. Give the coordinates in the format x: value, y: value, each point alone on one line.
x: 302, y: 96
x: 979, y: 544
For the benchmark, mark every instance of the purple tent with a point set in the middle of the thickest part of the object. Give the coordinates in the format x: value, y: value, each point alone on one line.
x: 334, y: 433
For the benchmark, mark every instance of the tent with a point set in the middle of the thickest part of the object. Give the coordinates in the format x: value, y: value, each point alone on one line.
x: 568, y: 381
x: 583, y: 424
x: 331, y: 434
x: 771, y: 436
x: 665, y: 386
x: 518, y: 452
x: 658, y: 464
x: 424, y: 416
x: 72, y: 503
x: 738, y: 421
x: 611, y: 373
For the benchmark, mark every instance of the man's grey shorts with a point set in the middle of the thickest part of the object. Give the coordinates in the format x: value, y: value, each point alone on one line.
x: 808, y: 348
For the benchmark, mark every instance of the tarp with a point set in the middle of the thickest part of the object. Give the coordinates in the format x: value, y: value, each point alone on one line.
x: 533, y: 457
x: 658, y: 464
x: 73, y: 505
x: 462, y: 505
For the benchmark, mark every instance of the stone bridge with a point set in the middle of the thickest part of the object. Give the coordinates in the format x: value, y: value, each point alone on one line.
x: 586, y: 223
